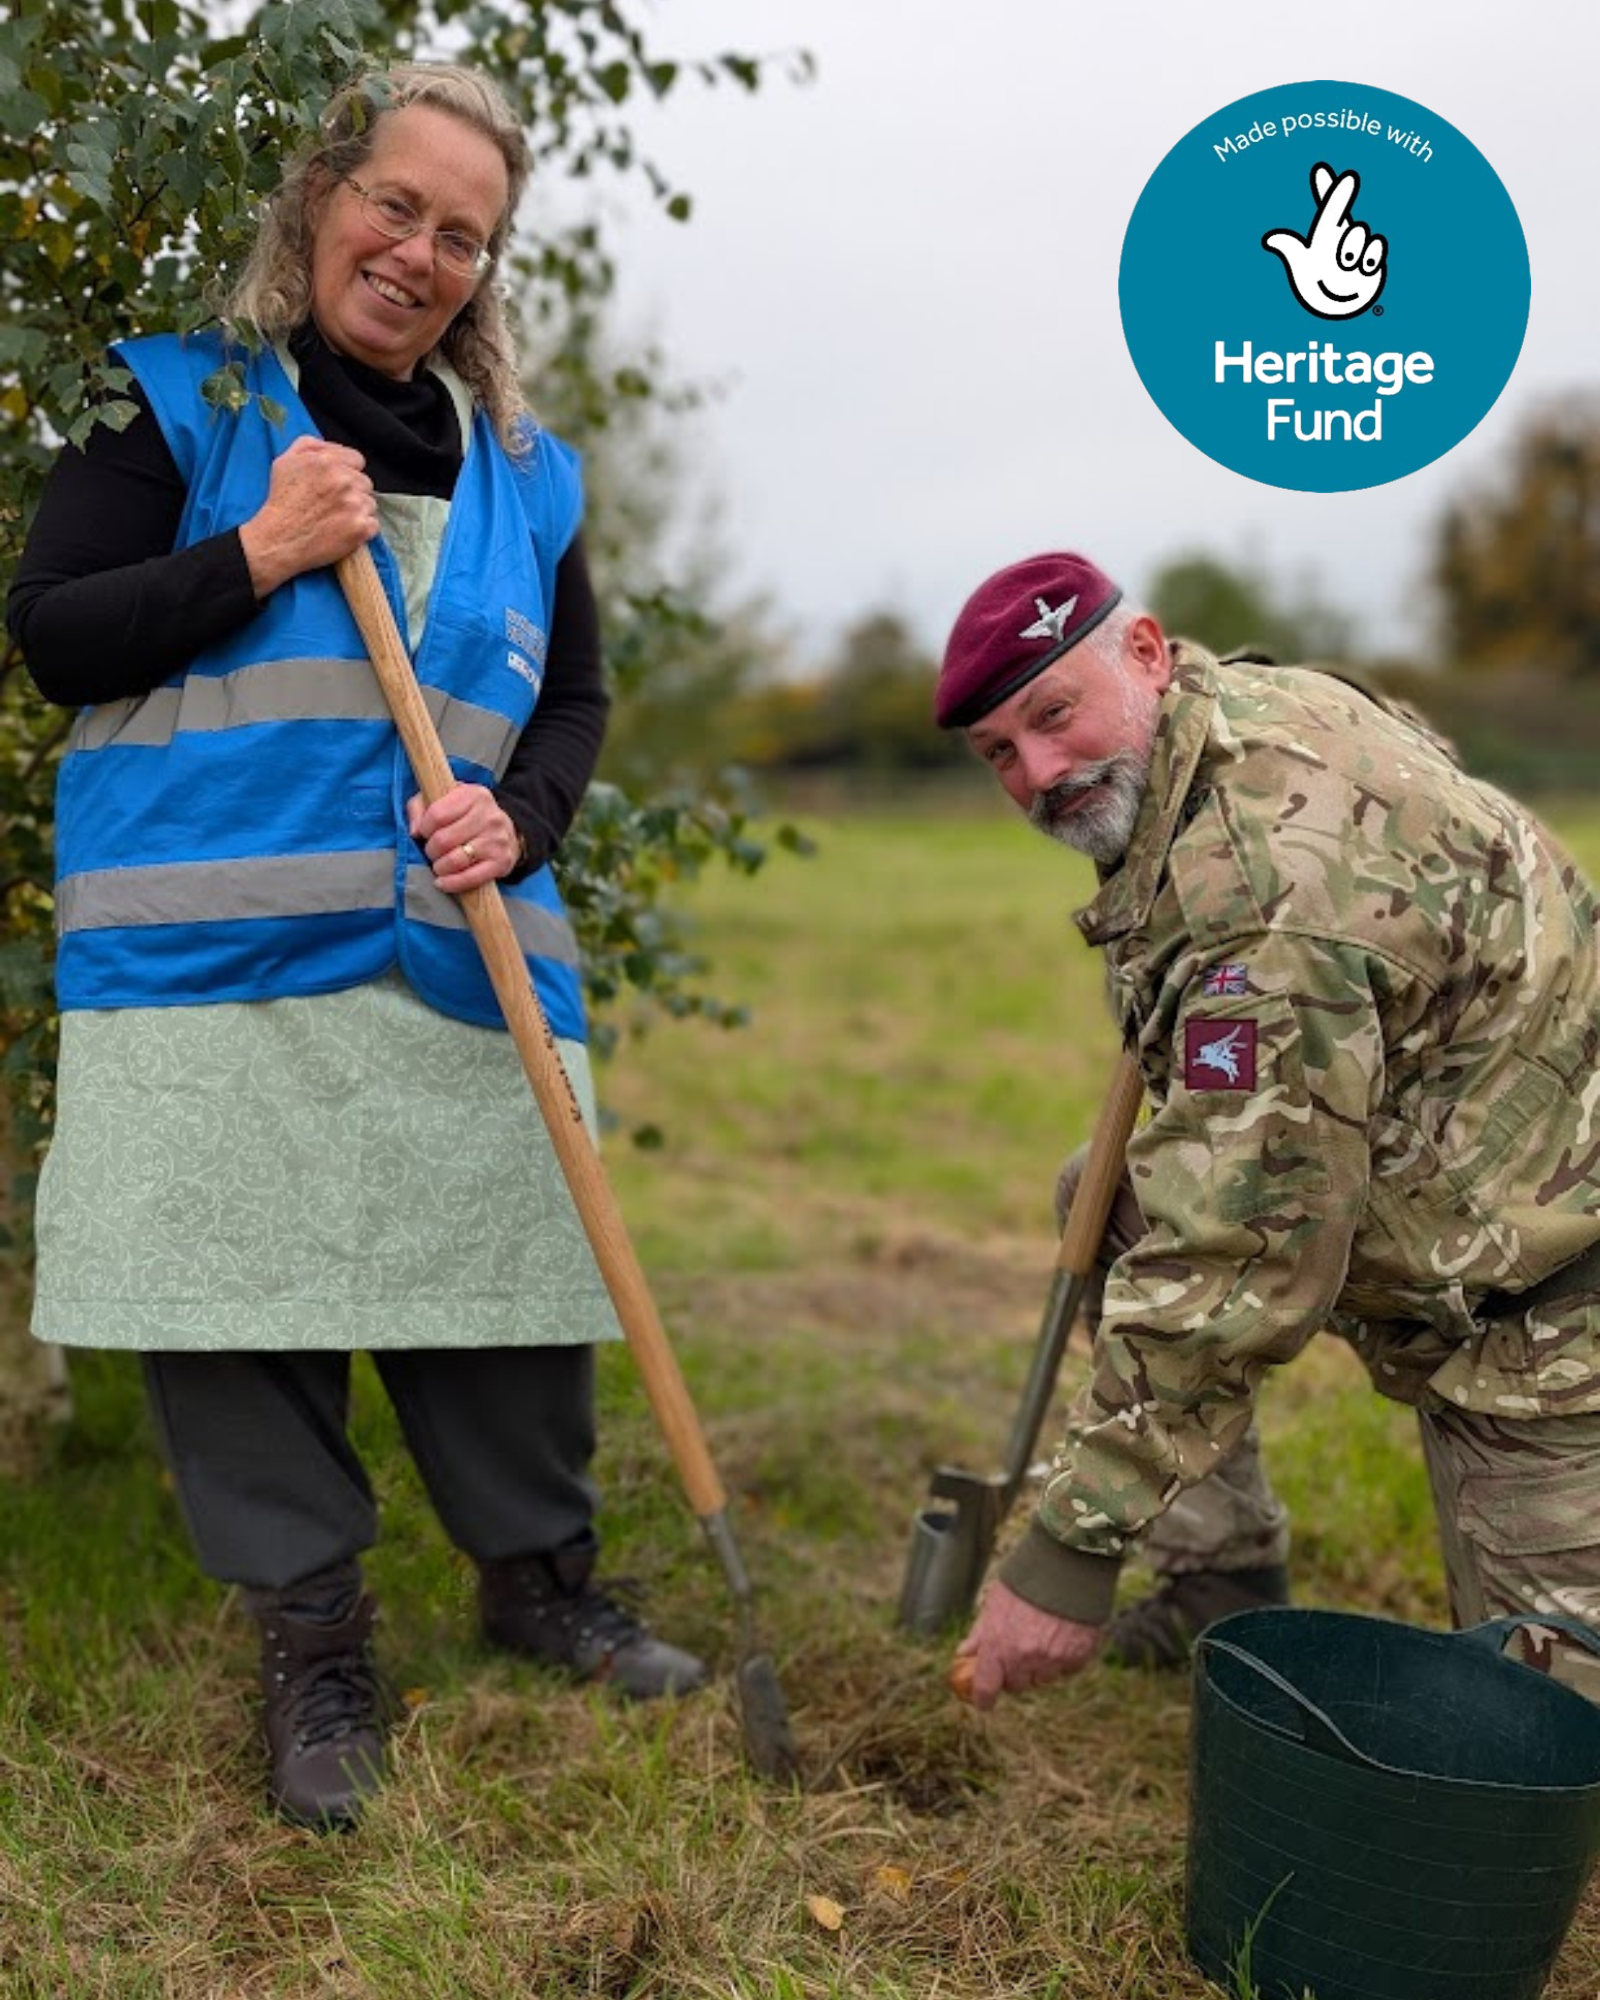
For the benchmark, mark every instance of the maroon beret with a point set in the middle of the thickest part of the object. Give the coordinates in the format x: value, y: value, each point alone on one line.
x: 1013, y: 627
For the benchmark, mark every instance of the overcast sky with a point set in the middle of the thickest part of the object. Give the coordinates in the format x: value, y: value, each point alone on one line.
x: 904, y: 275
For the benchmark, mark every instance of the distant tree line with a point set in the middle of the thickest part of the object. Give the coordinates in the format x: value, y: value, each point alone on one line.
x: 1512, y: 578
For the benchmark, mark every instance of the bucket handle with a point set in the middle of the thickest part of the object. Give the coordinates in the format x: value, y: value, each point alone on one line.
x: 1494, y: 1632
x: 1317, y: 1732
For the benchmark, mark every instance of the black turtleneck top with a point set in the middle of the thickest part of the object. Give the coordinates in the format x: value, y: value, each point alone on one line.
x: 104, y: 608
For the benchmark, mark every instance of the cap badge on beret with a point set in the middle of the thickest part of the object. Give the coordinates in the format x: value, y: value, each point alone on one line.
x: 1049, y: 624
x: 995, y: 648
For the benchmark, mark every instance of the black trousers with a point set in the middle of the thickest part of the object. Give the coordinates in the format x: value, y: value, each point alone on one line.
x: 272, y: 1490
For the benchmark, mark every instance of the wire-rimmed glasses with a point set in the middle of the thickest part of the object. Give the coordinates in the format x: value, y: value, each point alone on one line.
x: 391, y: 215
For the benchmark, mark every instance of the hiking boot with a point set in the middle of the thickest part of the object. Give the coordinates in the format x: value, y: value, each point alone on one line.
x: 327, y: 1713
x: 1160, y: 1630
x: 548, y: 1608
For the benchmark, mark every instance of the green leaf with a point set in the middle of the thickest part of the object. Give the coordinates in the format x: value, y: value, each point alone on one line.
x: 616, y: 80
x: 225, y: 390
x: 21, y: 110
x: 23, y: 346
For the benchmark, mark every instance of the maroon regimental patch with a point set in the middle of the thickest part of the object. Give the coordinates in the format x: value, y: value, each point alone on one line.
x: 1219, y: 1055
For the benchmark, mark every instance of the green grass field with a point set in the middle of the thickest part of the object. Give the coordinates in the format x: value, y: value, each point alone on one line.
x: 848, y: 1230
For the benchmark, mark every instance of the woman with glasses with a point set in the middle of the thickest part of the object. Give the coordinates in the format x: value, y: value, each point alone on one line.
x: 290, y: 1123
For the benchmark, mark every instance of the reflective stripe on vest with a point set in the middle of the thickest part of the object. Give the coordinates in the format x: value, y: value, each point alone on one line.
x: 302, y: 885
x: 288, y: 691
x: 177, y: 892
x: 540, y: 932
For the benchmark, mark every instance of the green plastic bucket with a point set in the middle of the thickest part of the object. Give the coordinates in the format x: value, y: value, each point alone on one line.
x: 1383, y: 1813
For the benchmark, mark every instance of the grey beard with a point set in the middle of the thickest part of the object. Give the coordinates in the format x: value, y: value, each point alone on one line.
x: 1103, y: 825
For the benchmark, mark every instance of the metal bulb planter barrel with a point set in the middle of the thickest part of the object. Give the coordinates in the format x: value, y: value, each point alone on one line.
x: 769, y: 1743
x: 952, y: 1541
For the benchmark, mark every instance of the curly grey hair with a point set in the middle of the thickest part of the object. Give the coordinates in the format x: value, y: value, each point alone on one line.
x: 273, y: 293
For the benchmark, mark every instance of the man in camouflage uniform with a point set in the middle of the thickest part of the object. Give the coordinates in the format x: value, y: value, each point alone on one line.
x: 1364, y: 990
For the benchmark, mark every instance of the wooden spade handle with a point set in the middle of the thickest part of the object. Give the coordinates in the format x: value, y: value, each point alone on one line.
x: 1091, y: 1201
x: 508, y: 973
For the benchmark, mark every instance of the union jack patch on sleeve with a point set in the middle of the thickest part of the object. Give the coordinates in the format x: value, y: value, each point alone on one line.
x: 1221, y: 981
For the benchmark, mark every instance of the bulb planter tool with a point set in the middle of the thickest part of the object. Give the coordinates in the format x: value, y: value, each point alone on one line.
x: 953, y: 1539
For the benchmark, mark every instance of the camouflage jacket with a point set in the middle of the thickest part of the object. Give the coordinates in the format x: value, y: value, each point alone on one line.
x: 1365, y: 993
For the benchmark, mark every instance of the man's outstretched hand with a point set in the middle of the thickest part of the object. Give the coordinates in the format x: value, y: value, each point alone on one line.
x: 1014, y: 1646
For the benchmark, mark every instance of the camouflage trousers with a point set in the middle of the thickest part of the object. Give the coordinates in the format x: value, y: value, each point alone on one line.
x: 1232, y: 1519
x: 1515, y: 1502
x: 1520, y: 1528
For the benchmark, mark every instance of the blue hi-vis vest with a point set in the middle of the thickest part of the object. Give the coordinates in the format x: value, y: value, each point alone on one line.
x: 239, y: 832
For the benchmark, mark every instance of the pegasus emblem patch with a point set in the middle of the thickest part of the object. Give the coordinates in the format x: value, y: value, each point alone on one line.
x: 1219, y: 1055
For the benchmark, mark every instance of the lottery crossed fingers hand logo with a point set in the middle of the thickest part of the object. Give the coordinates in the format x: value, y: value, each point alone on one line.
x: 1338, y: 269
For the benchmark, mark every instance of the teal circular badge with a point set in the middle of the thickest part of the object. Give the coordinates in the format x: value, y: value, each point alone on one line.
x: 1324, y: 286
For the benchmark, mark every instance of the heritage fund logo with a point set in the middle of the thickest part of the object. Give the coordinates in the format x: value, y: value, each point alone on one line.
x: 1312, y: 334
